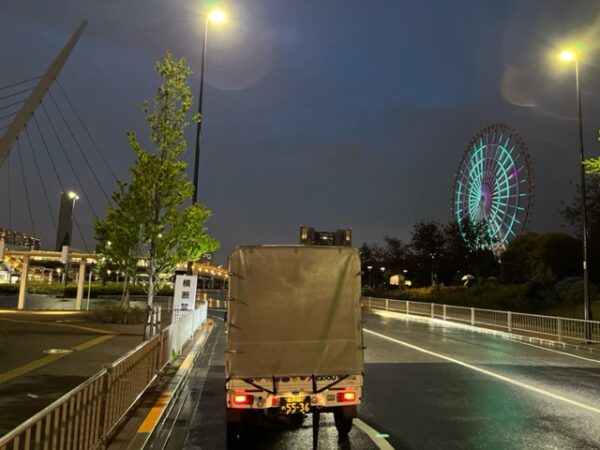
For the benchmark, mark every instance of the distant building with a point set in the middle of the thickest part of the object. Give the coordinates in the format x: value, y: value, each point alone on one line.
x: 21, y: 240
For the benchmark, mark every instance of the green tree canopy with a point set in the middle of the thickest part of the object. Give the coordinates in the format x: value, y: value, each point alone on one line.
x: 159, y: 229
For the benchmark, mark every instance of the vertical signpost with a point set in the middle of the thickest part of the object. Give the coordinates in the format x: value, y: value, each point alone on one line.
x: 184, y: 298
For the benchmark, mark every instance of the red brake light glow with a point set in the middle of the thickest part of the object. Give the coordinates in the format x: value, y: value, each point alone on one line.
x: 347, y: 396
x: 243, y: 399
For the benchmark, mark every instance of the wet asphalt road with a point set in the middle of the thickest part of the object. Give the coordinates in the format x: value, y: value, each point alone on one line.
x: 525, y: 398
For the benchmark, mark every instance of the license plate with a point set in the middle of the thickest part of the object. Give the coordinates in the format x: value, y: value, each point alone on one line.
x: 295, y: 405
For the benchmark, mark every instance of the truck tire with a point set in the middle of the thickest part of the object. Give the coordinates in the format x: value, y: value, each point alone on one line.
x: 343, y: 424
x: 233, y: 430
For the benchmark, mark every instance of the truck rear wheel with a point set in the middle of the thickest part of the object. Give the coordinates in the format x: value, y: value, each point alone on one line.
x: 343, y: 423
x: 233, y: 430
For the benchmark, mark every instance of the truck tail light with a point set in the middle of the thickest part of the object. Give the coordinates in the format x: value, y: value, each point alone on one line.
x: 241, y: 399
x: 347, y: 396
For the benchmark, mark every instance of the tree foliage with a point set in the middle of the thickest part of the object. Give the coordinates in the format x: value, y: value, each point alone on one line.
x: 542, y: 259
x: 148, y: 220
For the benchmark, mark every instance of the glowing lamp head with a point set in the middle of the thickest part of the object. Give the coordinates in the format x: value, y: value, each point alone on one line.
x: 72, y: 195
x: 217, y: 16
x: 567, y: 55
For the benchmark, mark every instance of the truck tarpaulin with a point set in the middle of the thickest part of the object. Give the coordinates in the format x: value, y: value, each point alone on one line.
x: 294, y: 311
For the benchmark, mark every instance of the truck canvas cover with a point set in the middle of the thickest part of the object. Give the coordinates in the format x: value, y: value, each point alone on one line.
x: 294, y: 311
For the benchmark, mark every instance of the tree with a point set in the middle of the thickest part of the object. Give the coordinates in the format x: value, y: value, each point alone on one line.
x: 467, y: 250
x: 167, y: 232
x: 543, y: 258
x: 119, y: 237
x: 572, y: 215
x: 427, y: 243
x: 371, y: 258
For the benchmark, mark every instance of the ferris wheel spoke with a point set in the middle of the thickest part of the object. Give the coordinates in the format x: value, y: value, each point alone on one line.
x: 492, y: 183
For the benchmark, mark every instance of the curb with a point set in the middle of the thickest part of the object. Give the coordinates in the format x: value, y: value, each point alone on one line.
x: 163, y: 404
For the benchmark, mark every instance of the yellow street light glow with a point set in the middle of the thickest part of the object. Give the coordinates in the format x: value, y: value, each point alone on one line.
x: 72, y: 195
x: 567, y: 55
x: 217, y: 16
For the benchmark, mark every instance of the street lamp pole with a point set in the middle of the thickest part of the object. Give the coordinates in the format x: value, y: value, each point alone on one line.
x: 199, y: 123
x: 216, y: 16
x: 587, y: 310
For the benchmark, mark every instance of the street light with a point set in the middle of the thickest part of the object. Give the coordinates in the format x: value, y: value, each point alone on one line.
x: 568, y: 56
x: 216, y: 16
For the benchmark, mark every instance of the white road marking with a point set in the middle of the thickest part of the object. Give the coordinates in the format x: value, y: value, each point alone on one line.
x: 489, y: 373
x: 373, y: 434
x: 556, y: 351
x: 517, y: 338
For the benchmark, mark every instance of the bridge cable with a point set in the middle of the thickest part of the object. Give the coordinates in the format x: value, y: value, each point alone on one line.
x: 78, y: 226
x: 79, y: 146
x: 39, y: 172
x: 20, y: 153
x: 61, y: 145
x: 19, y: 82
x: 9, y: 195
x: 37, y: 124
x: 16, y: 93
x: 87, y: 249
x: 12, y: 114
x: 12, y: 104
x: 86, y: 130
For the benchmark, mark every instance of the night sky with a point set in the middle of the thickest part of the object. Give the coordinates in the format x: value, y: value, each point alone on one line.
x: 324, y: 113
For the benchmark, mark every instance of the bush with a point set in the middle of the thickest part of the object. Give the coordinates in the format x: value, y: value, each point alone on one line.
x: 7, y: 289
x: 118, y: 314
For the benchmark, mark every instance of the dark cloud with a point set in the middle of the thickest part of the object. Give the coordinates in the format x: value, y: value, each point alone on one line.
x: 331, y: 114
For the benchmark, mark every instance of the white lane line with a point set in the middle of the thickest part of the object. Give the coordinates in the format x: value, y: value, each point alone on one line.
x: 559, y: 352
x: 373, y: 434
x: 488, y: 372
x: 516, y: 338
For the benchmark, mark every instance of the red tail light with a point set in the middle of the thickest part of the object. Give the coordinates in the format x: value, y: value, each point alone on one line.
x: 242, y: 399
x: 347, y: 396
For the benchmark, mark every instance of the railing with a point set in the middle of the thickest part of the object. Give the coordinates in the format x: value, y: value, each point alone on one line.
x: 141, y: 301
x: 87, y: 416
x: 558, y: 328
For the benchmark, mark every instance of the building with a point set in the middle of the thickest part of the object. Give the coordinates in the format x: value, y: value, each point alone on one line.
x: 14, y: 239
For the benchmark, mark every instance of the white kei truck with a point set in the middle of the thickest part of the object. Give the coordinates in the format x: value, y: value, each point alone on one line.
x: 294, y: 333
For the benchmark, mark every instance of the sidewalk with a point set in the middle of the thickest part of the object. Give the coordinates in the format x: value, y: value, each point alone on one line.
x: 157, y: 401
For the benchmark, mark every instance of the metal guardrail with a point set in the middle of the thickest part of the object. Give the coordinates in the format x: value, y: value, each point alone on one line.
x: 562, y: 329
x: 86, y: 417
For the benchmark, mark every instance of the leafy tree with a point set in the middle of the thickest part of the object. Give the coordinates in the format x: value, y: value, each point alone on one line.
x: 371, y: 255
x: 167, y: 233
x: 542, y: 259
x: 427, y: 243
x: 572, y: 215
x: 468, y: 250
x: 396, y: 254
x: 119, y: 237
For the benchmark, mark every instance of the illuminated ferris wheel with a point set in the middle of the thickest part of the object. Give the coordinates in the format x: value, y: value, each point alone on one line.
x: 494, y: 184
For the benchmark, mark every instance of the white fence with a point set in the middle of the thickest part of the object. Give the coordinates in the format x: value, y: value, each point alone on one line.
x: 557, y: 328
x: 87, y: 416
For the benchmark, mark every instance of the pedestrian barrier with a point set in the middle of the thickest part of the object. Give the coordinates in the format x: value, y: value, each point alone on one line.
x: 86, y: 417
x: 561, y: 329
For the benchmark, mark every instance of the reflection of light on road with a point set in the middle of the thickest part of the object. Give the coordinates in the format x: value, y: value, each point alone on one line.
x: 489, y: 373
x: 516, y: 338
x: 375, y: 436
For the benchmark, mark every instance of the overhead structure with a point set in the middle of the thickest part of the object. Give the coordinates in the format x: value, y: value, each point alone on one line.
x: 7, y: 141
x: 494, y: 184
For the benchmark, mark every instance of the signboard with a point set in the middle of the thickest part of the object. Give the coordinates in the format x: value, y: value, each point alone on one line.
x: 184, y: 297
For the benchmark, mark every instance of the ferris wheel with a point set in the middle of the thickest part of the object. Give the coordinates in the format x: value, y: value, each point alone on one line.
x: 494, y: 184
